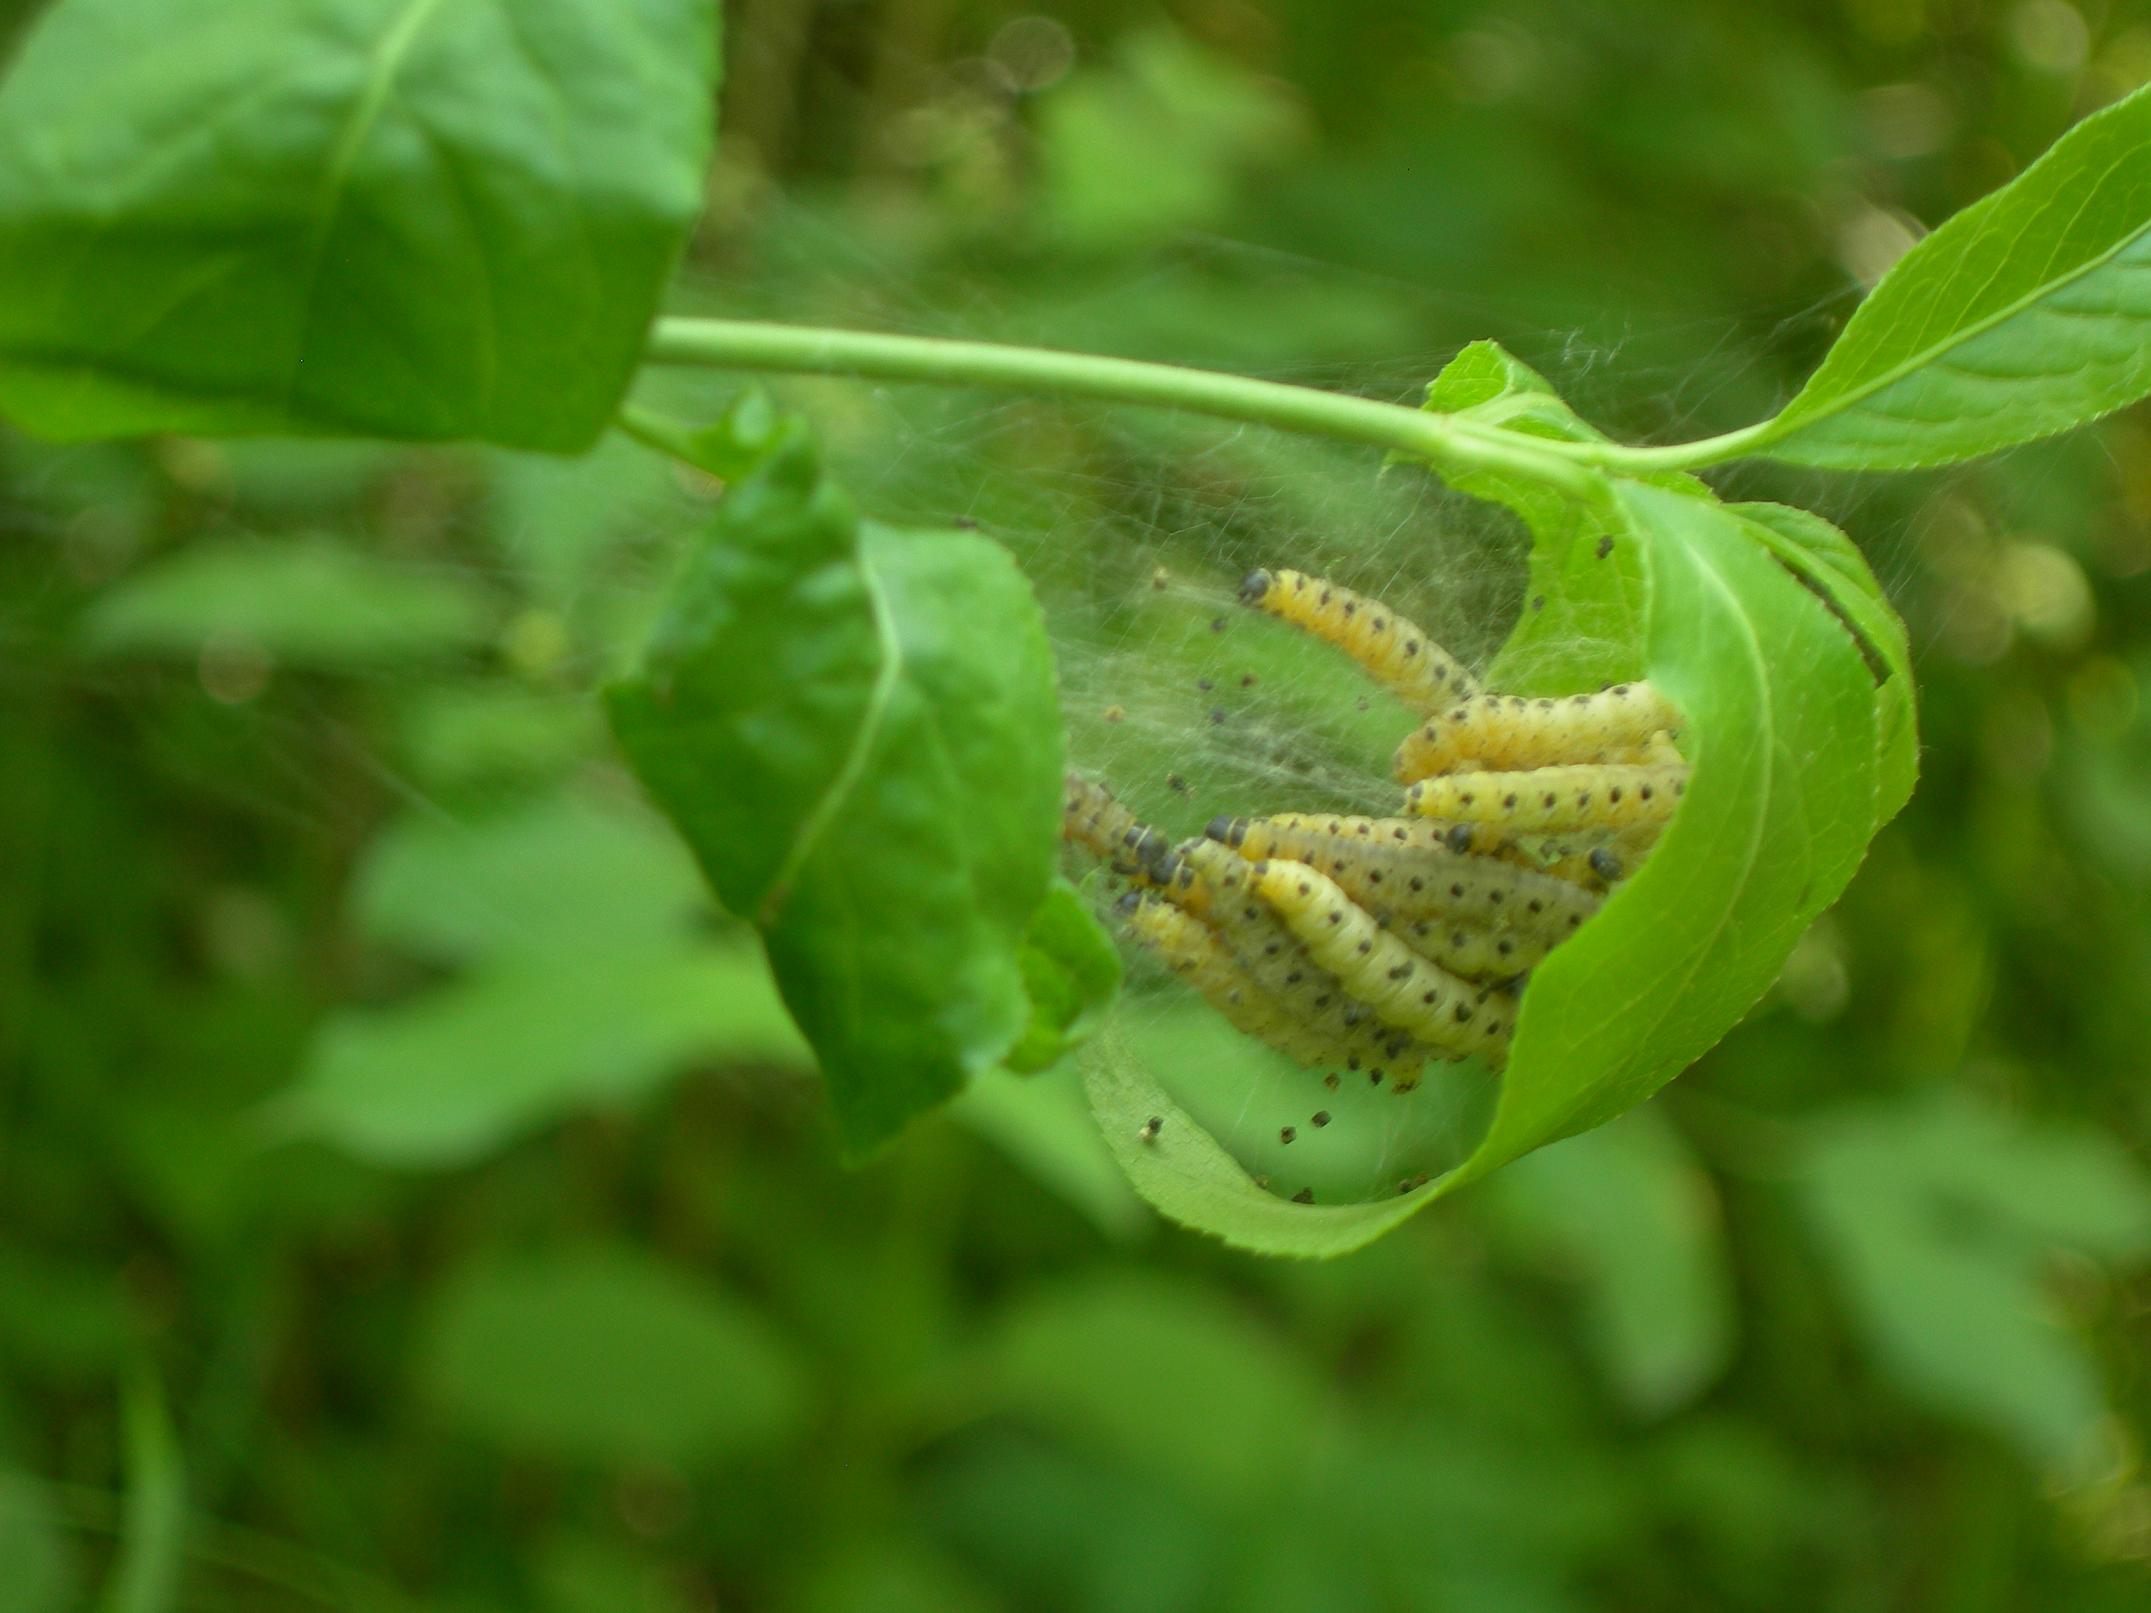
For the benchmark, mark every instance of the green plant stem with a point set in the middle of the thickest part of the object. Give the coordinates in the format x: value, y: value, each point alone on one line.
x: 1437, y: 438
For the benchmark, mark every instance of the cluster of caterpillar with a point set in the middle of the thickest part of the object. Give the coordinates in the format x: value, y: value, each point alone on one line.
x: 1382, y: 944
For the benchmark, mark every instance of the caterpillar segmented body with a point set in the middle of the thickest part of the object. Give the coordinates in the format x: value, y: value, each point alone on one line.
x: 1390, y: 649
x: 1200, y: 956
x: 1409, y: 870
x: 1095, y: 820
x: 1508, y: 733
x: 1554, y: 799
x: 1338, y: 1030
x: 1407, y: 991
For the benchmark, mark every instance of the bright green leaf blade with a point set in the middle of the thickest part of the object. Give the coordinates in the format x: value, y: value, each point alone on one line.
x: 1828, y: 562
x: 1778, y: 814
x: 456, y: 1073
x: 1582, y: 624
x: 858, y: 731
x: 2023, y: 315
x: 604, y: 1355
x: 399, y: 218
x: 306, y: 602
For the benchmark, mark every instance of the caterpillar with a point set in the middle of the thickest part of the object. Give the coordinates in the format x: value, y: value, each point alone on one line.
x: 1407, y: 991
x: 1506, y: 733
x: 1409, y: 870
x: 1390, y: 649
x: 1195, y: 952
x: 1343, y: 1031
x: 1553, y: 799
x: 1095, y: 820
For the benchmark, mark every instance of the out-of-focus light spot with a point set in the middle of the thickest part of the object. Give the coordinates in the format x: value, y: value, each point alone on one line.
x: 1815, y: 984
x: 536, y: 643
x: 97, y: 546
x: 1871, y: 239
x: 1492, y: 64
x: 2123, y: 63
x: 1033, y: 51
x: 202, y: 468
x: 2045, y: 590
x: 2050, y: 35
x: 2104, y: 698
x: 234, y: 668
x: 1906, y: 120
x: 1893, y: 22
x: 654, y: 1501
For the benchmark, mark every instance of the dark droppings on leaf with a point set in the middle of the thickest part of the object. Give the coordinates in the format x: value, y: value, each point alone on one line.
x: 1304, y: 1196
x: 1605, y: 547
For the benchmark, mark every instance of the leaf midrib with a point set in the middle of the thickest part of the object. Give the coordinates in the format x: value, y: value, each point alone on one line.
x: 374, y: 92
x: 1791, y: 423
x: 815, y: 826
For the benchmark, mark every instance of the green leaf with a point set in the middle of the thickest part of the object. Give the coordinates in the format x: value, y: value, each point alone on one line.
x: 2022, y: 316
x: 604, y: 1355
x: 153, y: 1527
x: 1043, y: 1124
x: 1782, y: 737
x: 1827, y: 561
x: 1630, y: 1215
x: 41, y: 1576
x: 454, y: 1074
x: 308, y: 602
x: 857, y: 730
x: 398, y: 218
x: 564, y: 874
x: 1581, y: 626
x: 1161, y: 1375
x: 1071, y: 971
x: 1941, y: 1219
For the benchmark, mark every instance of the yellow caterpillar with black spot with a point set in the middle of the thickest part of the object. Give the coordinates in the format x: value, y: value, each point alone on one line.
x: 1288, y: 1021
x: 1626, y: 723
x: 1406, y: 991
x: 1389, y: 648
x: 1092, y: 818
x: 1555, y: 799
x: 1284, y: 970
x: 1409, y: 870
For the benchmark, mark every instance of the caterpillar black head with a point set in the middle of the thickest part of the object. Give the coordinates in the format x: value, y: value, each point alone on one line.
x: 1226, y: 829
x: 1254, y: 586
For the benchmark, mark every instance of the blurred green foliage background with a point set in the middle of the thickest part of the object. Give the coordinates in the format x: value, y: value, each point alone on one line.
x: 411, y: 1194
